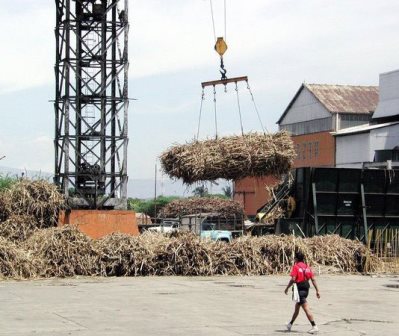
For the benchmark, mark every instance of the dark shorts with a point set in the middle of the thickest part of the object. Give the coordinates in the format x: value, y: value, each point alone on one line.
x: 303, y: 294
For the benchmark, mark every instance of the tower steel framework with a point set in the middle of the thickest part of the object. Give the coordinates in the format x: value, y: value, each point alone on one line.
x: 91, y: 102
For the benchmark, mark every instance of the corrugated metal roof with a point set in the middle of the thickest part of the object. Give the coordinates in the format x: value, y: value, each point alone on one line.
x: 346, y: 98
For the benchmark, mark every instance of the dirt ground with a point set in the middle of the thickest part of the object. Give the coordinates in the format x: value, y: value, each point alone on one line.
x: 350, y: 305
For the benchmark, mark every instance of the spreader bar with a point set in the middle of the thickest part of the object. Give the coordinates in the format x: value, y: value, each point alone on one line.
x: 225, y: 81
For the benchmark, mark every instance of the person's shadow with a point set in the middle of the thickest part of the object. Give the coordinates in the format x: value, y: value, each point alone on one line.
x: 284, y: 331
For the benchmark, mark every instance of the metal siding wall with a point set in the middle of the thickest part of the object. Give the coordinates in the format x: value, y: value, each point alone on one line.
x: 389, y: 95
x: 306, y: 107
x: 384, y: 138
x: 352, y: 150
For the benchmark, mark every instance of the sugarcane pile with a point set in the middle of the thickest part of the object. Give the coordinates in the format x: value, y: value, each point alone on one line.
x: 15, y: 262
x: 230, y: 158
x: 63, y: 252
x: 37, y: 198
x: 31, y: 248
x: 185, y: 254
x: 197, y: 205
x: 18, y: 227
x: 28, y: 205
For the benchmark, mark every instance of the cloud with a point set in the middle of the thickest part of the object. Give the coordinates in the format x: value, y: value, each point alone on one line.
x: 27, y: 153
x: 173, y: 36
x: 277, y: 43
x: 27, y: 55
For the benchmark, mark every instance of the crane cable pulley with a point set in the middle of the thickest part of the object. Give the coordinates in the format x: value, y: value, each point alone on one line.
x: 220, y: 42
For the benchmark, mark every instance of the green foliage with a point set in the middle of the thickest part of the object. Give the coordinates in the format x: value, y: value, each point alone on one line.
x: 227, y: 191
x: 201, y: 191
x: 149, y: 207
x: 6, y: 182
x: 222, y: 196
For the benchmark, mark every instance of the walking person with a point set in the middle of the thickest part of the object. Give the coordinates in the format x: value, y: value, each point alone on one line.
x: 300, y: 276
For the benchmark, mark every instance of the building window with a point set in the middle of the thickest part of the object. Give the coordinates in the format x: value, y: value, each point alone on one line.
x: 316, y: 149
x: 306, y: 127
x: 310, y: 150
x: 352, y: 120
x: 304, y: 151
x: 298, y: 153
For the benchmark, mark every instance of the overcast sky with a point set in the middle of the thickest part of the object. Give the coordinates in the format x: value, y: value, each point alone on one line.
x: 278, y: 43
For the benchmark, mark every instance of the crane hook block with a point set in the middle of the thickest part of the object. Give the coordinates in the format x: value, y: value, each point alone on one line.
x: 220, y: 46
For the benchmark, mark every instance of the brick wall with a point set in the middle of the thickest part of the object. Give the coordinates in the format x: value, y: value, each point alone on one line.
x: 314, y: 150
x: 251, y: 192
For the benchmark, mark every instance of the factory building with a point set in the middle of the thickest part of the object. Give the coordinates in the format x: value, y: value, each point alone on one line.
x: 317, y: 110
x: 313, y: 114
x: 377, y: 143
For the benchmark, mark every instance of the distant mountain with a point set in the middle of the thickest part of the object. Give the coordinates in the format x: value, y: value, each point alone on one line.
x: 15, y: 172
x: 136, y: 188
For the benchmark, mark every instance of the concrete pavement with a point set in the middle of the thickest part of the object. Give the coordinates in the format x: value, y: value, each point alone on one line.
x: 220, y: 306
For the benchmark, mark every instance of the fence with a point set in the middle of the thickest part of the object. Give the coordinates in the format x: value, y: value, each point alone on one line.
x: 384, y: 243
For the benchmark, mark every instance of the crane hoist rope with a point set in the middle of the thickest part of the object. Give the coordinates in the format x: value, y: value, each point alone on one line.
x: 220, y: 42
x: 221, y: 48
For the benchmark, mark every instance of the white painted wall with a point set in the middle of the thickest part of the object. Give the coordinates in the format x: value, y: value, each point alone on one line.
x: 306, y: 107
x: 388, y: 104
x: 352, y: 150
x: 384, y: 138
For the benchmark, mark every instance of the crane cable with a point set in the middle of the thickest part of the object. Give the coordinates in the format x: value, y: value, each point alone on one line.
x: 213, y: 20
x: 239, y: 109
x: 225, y: 21
x: 214, y: 106
x: 265, y: 130
x: 200, y: 113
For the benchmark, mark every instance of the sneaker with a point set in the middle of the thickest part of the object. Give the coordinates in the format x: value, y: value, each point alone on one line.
x: 289, y: 326
x: 314, y: 330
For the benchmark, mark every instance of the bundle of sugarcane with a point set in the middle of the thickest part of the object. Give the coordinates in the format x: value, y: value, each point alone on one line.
x: 15, y: 262
x: 148, y: 254
x: 230, y: 158
x: 188, y: 255
x: 64, y: 252
x: 18, y: 228
x: 185, y: 255
x: 4, y: 207
x: 197, y: 205
x: 125, y: 255
x: 333, y: 251
x: 38, y: 198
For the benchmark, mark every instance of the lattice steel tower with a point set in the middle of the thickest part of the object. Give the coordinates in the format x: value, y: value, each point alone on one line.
x: 91, y: 102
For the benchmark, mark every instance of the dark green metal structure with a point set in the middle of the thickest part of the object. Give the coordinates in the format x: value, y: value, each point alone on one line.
x: 348, y: 202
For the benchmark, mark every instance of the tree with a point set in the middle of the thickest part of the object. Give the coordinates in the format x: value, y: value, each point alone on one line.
x: 227, y: 191
x: 149, y: 207
x: 201, y: 191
